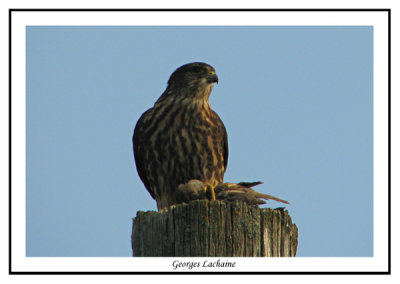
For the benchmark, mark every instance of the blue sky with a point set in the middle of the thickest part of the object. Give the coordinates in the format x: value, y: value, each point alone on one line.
x: 297, y: 103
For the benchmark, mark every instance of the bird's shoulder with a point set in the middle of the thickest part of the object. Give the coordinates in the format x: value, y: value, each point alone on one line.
x: 141, y: 126
x: 217, y: 120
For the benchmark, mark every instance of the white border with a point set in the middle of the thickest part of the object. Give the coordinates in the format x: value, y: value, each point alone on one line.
x: 376, y: 19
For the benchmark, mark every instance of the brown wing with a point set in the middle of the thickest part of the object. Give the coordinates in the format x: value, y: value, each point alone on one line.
x: 242, y: 191
x: 224, y: 138
x: 226, y: 150
x: 140, y: 151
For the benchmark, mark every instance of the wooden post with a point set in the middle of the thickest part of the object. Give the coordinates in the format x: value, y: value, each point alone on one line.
x: 217, y: 228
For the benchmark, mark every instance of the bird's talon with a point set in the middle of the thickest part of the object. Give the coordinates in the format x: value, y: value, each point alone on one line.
x: 213, y: 198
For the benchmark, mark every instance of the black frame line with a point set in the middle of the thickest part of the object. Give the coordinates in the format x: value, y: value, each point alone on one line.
x: 11, y: 272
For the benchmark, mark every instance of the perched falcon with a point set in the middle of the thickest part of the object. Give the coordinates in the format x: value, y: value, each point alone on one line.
x: 181, y: 138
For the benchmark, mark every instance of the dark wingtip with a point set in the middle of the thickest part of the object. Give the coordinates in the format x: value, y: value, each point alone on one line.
x: 249, y: 184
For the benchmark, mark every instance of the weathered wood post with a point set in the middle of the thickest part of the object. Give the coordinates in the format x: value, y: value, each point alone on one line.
x: 217, y: 228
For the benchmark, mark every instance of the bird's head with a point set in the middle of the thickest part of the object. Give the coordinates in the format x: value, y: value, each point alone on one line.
x: 193, y: 75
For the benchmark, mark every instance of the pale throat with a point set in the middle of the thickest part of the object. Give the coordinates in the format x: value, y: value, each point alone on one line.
x: 200, y: 101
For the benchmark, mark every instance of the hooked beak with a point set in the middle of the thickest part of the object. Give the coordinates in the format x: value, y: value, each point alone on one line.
x: 213, y: 78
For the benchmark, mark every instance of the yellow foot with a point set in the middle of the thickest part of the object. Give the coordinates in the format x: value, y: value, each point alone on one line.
x: 212, y: 191
x: 213, y: 198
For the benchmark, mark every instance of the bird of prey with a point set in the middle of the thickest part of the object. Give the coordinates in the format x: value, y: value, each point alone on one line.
x: 181, y: 138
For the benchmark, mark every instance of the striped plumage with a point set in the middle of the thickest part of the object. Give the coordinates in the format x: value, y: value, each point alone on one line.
x: 181, y: 138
